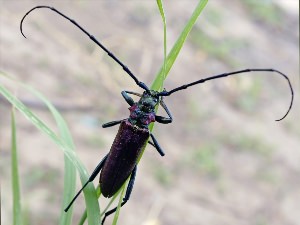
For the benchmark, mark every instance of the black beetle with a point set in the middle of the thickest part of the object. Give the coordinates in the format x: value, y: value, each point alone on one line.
x: 121, y: 161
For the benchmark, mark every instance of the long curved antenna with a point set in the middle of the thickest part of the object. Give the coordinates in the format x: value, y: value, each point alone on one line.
x: 167, y: 93
x: 125, y: 68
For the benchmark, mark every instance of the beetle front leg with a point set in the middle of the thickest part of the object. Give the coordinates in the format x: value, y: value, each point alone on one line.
x: 112, y: 123
x: 127, y: 98
x: 127, y: 195
x: 161, y: 119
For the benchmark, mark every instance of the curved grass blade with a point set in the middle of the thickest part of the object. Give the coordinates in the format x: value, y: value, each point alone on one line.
x: 93, y: 211
x: 89, y: 192
x: 17, y: 210
x: 69, y: 169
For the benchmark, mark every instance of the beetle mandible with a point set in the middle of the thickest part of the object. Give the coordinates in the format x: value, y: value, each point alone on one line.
x: 133, y: 134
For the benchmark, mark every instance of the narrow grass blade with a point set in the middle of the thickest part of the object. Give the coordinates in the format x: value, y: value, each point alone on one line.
x: 110, y: 202
x: 89, y: 192
x: 17, y: 212
x: 119, y: 204
x: 165, y: 69
x: 162, y: 13
x: 84, y: 215
x: 158, y: 82
x: 92, y: 206
x: 70, y: 178
x: 69, y: 169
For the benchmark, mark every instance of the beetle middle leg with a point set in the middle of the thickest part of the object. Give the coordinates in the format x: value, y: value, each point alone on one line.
x: 156, y: 145
x: 127, y: 194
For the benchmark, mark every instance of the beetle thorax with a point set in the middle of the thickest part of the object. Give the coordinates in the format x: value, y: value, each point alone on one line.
x: 142, y: 113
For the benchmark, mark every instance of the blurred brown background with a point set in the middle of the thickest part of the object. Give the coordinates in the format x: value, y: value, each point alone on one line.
x: 227, y: 161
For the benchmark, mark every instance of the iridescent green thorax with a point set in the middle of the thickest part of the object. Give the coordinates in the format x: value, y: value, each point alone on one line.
x: 142, y: 113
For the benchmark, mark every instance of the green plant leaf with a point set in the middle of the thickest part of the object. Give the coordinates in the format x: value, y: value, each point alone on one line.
x: 17, y: 210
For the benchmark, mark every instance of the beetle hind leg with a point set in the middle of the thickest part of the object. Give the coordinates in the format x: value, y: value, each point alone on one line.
x: 156, y: 145
x: 91, y: 178
x: 127, y: 194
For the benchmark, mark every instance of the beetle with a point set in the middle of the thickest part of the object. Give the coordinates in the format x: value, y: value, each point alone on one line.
x: 133, y: 134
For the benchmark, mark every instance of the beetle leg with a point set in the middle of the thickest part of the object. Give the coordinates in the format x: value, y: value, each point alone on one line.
x: 127, y: 98
x: 92, y: 177
x: 134, y: 93
x: 161, y: 152
x: 156, y: 145
x: 127, y: 194
x: 112, y: 123
x: 151, y: 143
x: 164, y: 120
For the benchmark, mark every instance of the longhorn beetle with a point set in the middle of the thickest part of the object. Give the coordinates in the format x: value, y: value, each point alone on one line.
x: 133, y: 134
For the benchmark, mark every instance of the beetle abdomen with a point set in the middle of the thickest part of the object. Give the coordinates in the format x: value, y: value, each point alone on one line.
x: 122, y: 157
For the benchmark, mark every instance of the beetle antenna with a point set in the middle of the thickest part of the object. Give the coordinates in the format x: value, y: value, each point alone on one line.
x: 167, y: 93
x: 125, y: 68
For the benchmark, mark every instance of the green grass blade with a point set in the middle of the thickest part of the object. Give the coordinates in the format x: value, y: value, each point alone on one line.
x: 158, y: 82
x: 69, y: 169
x: 68, y: 192
x: 161, y: 10
x: 83, y: 218
x: 110, y: 202
x: 119, y: 204
x: 162, y: 74
x: 84, y: 214
x: 93, y: 210
x: 70, y: 178
x: 17, y: 213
